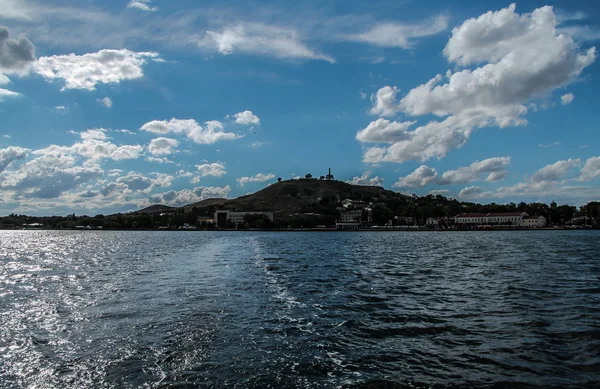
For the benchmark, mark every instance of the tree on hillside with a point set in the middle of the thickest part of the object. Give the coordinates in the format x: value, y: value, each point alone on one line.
x: 308, y: 176
x: 279, y: 179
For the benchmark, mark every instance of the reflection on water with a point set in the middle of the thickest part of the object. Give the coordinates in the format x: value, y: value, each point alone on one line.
x: 167, y: 309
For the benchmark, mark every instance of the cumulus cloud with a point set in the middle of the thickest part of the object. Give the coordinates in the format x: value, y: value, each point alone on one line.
x: 590, y: 170
x: 246, y: 117
x: 567, y: 99
x: 258, y: 38
x: 189, y: 196
x: 211, y: 133
x: 384, y: 101
x: 473, y: 192
x: 106, y: 101
x: 48, y: 176
x: 11, y: 154
x: 421, y: 177
x: 400, y: 35
x: 16, y: 55
x: 143, y: 5
x: 211, y: 169
x: 436, y: 192
x: 162, y: 146
x: 137, y: 182
x: 366, y: 180
x: 493, y: 168
x: 88, y: 70
x: 384, y: 131
x: 522, y: 57
x: 260, y: 177
x: 94, y: 146
x: 545, y: 178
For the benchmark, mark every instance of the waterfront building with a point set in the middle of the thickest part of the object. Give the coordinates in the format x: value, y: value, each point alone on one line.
x: 352, y: 216
x: 534, y: 221
x: 507, y: 218
x: 432, y: 221
x: 223, y: 216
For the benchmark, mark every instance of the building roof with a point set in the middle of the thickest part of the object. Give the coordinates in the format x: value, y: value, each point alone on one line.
x: 500, y: 214
x: 532, y: 217
x: 473, y: 215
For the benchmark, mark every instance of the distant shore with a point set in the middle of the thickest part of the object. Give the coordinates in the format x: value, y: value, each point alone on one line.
x: 516, y: 229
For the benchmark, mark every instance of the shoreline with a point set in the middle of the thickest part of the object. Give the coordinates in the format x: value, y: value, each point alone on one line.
x: 311, y: 229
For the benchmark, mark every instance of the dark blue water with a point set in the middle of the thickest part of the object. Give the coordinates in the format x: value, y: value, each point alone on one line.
x: 85, y: 309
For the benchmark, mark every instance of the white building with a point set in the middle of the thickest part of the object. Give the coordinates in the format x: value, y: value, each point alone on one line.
x: 432, y: 221
x: 352, y: 216
x: 534, y: 221
x: 508, y: 218
x: 223, y: 216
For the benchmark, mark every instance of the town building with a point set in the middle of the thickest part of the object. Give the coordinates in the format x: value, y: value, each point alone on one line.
x: 534, y: 221
x: 432, y: 221
x: 353, y: 216
x: 223, y: 216
x: 507, y: 218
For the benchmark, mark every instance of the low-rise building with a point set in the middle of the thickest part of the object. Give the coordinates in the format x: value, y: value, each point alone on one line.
x: 354, y: 216
x: 223, y: 216
x: 507, y: 218
x: 534, y: 221
x: 432, y: 221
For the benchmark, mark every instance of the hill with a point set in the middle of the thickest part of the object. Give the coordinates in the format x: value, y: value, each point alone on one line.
x: 157, y: 208
x: 298, y: 196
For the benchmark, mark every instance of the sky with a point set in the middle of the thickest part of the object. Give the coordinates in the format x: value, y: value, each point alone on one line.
x: 110, y: 106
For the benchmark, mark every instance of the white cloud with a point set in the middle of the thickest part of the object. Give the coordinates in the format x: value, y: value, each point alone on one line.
x: 260, y: 177
x: 94, y: 146
x: 439, y: 192
x: 211, y: 169
x: 143, y: 5
x: 60, y: 109
x: 258, y: 38
x: 366, y: 180
x: 363, y: 95
x: 384, y: 101
x: 544, y: 179
x: 189, y: 196
x: 493, y: 168
x: 162, y: 146
x: 48, y: 176
x: 137, y: 182
x: 16, y: 55
x: 548, y: 145
x: 4, y: 80
x: 384, y: 131
x: 526, y: 58
x: 473, y: 192
x: 106, y: 101
x: 159, y: 160
x: 567, y: 99
x: 7, y: 93
x: 211, y: 133
x: 401, y: 35
x: 591, y: 169
x: 422, y: 176
x: 11, y: 154
x: 88, y: 70
x: 257, y: 144
x: 246, y: 117
x: 126, y: 152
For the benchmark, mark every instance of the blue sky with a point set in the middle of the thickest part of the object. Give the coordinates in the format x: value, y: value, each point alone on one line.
x: 109, y: 106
